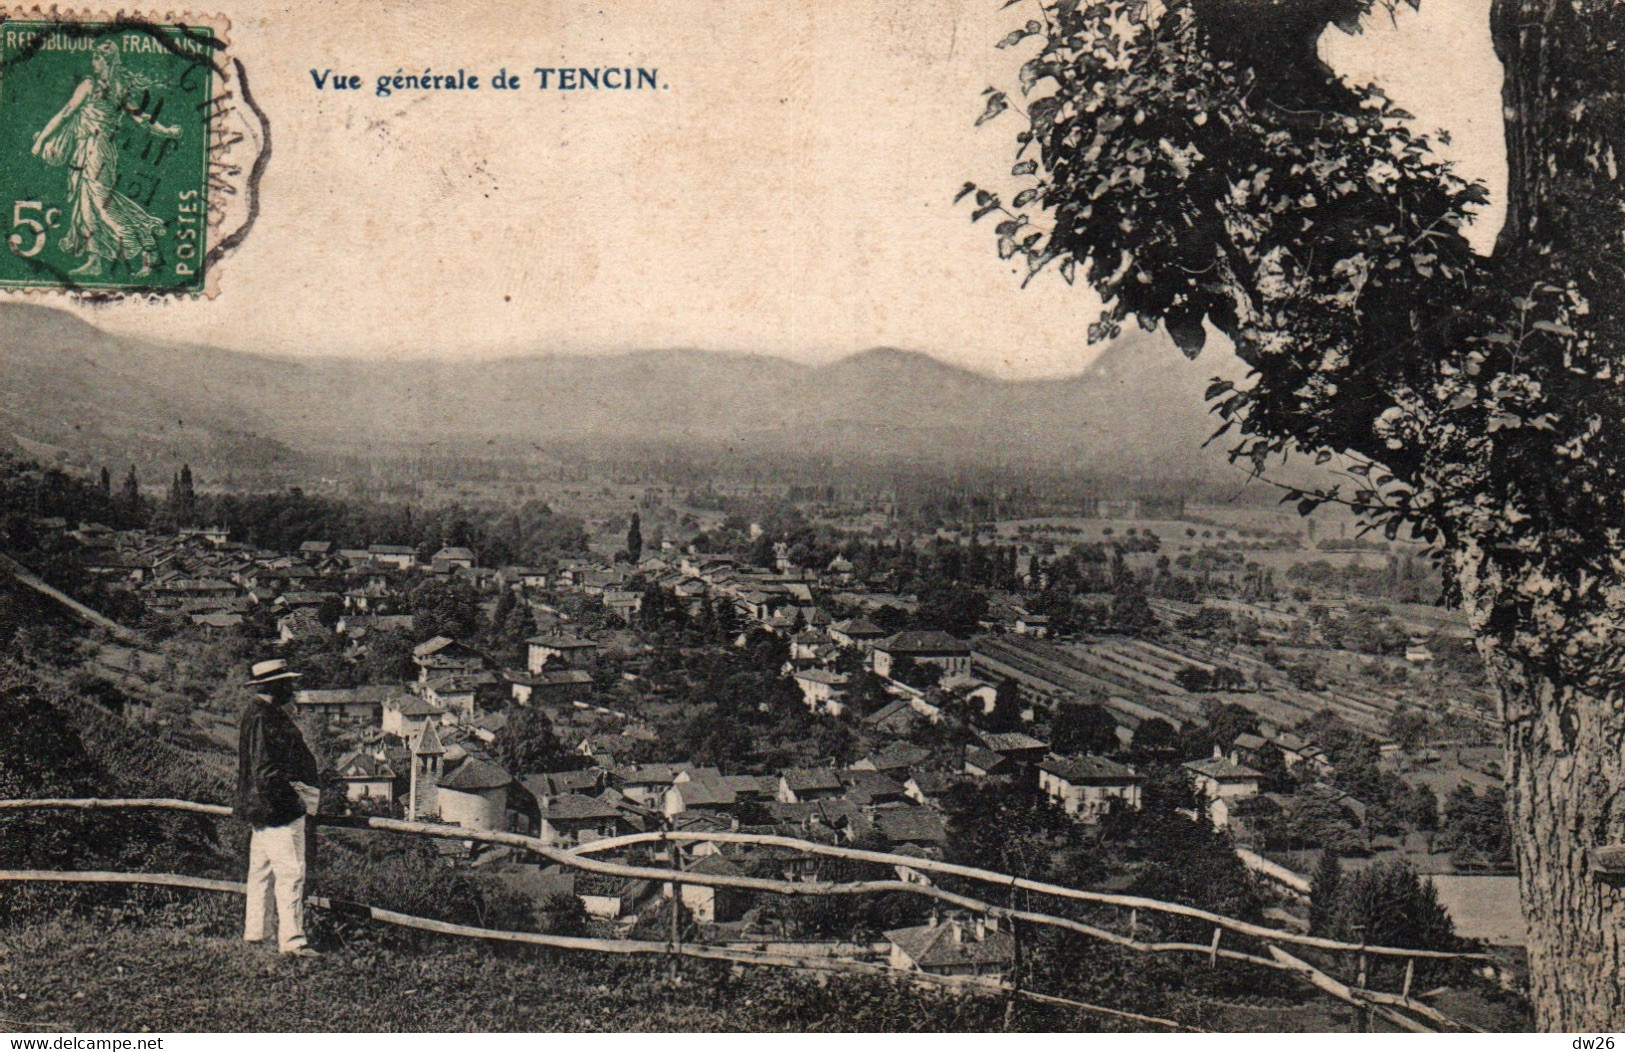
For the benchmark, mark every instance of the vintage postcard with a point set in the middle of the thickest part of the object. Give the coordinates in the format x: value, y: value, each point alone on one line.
x: 960, y: 515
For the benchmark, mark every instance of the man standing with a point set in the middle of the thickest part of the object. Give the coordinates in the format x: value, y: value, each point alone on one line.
x: 276, y: 777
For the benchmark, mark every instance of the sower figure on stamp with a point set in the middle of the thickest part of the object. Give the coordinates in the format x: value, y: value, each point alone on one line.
x: 276, y: 788
x: 104, y: 225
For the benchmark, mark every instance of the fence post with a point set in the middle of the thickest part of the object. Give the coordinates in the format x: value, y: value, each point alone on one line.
x: 1410, y: 971
x: 1015, y: 961
x: 1213, y: 951
x: 676, y: 940
x: 1134, y: 924
x: 1365, y: 1014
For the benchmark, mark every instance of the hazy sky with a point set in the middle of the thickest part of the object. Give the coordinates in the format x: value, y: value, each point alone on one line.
x: 787, y: 192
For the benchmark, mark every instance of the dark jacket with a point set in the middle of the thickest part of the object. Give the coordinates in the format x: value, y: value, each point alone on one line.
x: 271, y: 756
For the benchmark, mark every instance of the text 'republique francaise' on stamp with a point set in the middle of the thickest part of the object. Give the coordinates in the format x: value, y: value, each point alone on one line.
x: 130, y: 152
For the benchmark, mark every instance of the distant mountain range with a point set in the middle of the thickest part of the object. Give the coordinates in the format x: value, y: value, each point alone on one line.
x: 75, y: 391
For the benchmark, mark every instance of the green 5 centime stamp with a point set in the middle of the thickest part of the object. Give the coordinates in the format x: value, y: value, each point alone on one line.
x: 119, y: 153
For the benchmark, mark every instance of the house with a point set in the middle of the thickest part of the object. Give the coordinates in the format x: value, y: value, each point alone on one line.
x: 1247, y: 747
x: 110, y: 562
x: 474, y: 795
x: 219, y: 621
x: 359, y: 626
x: 895, y: 758
x: 822, y: 690
x: 315, y: 548
x: 700, y: 794
x: 804, y: 784
x: 452, y: 558
x: 1035, y: 625
x: 466, y: 693
x: 215, y: 535
x: 1221, y: 782
x: 928, y: 787
x: 554, y: 686
x: 710, y: 905
x: 573, y: 651
x: 926, y: 648
x: 985, y: 763
x: 917, y: 828
x: 1087, y: 787
x: 1014, y: 745
x: 485, y: 726
x: 443, y: 654
x: 296, y: 600
x: 300, y: 626
x: 646, y: 784
x: 623, y: 605
x: 398, y: 556
x: 452, y: 694
x: 544, y: 787
x: 609, y: 898
x: 872, y: 789
x: 752, y: 786
x: 531, y: 577
x: 365, y: 704
x: 571, y: 819
x: 1296, y: 750
x: 365, y: 777
x: 366, y: 598
x: 404, y: 715
x: 858, y: 632
x: 953, y: 947
x: 898, y: 717
x: 805, y: 645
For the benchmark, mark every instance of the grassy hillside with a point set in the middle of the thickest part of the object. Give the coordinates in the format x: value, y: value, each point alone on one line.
x: 78, y: 975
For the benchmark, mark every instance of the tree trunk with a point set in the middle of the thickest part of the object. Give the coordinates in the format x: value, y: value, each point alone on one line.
x: 1564, y: 66
x: 1565, y: 777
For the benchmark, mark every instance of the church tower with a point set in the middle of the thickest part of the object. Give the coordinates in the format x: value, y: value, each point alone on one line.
x: 428, y: 756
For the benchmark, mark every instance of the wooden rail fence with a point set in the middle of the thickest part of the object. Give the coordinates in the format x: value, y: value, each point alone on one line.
x: 1400, y: 1010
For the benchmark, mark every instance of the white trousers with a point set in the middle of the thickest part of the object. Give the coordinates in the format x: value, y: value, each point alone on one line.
x: 276, y: 856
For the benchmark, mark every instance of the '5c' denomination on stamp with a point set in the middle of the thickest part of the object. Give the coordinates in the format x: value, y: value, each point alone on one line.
x: 130, y: 152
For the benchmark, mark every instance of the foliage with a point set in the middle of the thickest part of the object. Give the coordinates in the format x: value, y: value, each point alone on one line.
x: 527, y: 743
x: 1131, y: 615
x: 445, y: 607
x: 1006, y: 828
x: 1080, y: 727
x: 1190, y: 862
x: 387, y: 657
x: 58, y: 745
x: 953, y: 608
x: 1007, y: 708
x: 1226, y: 721
x: 1409, y: 727
x: 562, y: 913
x: 634, y: 540
x: 1154, y: 739
x: 1474, y: 827
x: 1197, y: 172
x: 1325, y: 888
x: 1388, y: 904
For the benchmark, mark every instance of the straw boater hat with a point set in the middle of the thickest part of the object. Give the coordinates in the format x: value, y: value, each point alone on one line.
x: 263, y: 672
